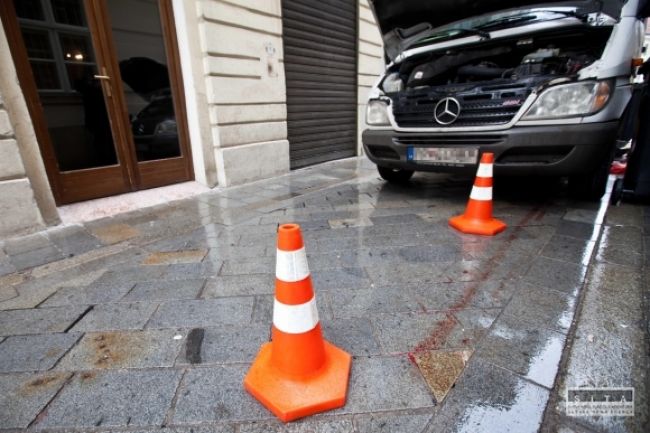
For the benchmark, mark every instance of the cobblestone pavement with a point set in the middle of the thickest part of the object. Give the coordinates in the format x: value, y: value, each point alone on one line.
x: 151, y: 319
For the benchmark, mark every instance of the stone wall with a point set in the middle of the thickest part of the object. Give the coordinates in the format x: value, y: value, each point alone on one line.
x: 241, y: 41
x: 18, y: 209
x: 22, y: 176
x: 371, y: 61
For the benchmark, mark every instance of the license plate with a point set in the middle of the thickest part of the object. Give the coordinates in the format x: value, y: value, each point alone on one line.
x: 443, y: 155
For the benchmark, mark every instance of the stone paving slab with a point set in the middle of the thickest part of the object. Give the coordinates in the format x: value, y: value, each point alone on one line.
x: 224, y: 345
x: 216, y: 394
x: 130, y: 274
x: 124, y: 349
x: 541, y: 307
x: 39, y: 321
x: 33, y: 258
x: 74, y: 240
x: 122, y: 316
x: 25, y: 244
x: 175, y: 257
x: 112, y: 234
x: 208, y: 312
x: 23, y: 396
x: 113, y: 398
x: 34, y: 352
x: 391, y: 423
x: 556, y: 275
x: 239, y: 285
x: 95, y: 293
x: 385, y: 384
x: 165, y: 290
x: 304, y: 426
x: 568, y: 249
x: 532, y: 352
x: 355, y: 336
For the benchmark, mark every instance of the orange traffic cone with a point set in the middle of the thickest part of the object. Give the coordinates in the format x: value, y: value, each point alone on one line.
x: 478, y: 219
x: 298, y: 373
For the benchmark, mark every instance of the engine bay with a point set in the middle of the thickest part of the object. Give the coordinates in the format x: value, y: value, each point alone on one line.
x: 550, y: 55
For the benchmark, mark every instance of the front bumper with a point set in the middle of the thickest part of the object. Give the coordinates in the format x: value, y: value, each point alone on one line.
x: 549, y: 150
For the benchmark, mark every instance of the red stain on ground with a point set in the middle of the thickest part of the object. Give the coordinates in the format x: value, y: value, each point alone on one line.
x: 438, y: 337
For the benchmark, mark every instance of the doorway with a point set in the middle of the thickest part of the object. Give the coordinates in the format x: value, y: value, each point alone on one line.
x: 103, y: 86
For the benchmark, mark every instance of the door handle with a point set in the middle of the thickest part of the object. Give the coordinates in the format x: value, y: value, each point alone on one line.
x: 105, y: 79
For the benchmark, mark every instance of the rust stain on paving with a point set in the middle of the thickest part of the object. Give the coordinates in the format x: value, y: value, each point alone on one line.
x: 42, y: 383
x: 441, y: 369
x: 115, y: 233
x: 175, y: 257
x: 108, y: 350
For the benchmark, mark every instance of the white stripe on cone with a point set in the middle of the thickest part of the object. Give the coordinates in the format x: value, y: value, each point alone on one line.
x: 482, y: 193
x: 484, y: 170
x: 291, y: 266
x: 295, y: 319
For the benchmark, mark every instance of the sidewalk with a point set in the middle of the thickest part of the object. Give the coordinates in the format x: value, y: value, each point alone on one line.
x: 449, y: 332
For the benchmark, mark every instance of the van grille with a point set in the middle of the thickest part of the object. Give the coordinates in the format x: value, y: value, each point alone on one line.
x: 480, y: 105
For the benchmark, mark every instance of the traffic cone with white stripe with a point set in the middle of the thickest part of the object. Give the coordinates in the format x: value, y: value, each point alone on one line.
x: 478, y: 219
x: 298, y: 373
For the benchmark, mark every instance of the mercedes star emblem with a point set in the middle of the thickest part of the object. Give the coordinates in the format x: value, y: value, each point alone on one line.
x: 447, y: 111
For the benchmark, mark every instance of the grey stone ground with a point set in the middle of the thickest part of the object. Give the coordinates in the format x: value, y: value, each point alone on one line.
x: 151, y: 319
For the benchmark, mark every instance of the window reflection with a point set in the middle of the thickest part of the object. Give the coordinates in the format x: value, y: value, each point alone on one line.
x: 138, y: 37
x: 62, y: 60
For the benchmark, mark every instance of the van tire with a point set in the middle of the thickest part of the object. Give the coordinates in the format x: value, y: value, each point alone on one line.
x: 395, y: 175
x: 591, y: 186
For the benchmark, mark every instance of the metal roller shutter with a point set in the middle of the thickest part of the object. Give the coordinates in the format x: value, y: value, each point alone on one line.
x: 320, y: 61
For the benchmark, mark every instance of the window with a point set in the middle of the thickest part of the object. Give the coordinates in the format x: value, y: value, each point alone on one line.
x: 58, y: 43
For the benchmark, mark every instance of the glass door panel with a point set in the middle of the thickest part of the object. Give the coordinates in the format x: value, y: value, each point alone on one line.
x: 62, y: 59
x: 140, y: 48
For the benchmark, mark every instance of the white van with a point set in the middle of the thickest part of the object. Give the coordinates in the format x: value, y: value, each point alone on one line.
x: 542, y: 85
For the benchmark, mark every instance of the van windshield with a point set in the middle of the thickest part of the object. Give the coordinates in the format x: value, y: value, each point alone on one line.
x: 482, y: 24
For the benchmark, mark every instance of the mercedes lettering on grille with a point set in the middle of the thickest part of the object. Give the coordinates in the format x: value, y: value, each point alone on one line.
x: 447, y: 111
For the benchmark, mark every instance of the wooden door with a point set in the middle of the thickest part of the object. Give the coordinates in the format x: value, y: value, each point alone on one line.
x: 104, y: 128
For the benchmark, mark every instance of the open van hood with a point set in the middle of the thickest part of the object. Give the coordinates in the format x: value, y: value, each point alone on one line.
x: 400, y: 20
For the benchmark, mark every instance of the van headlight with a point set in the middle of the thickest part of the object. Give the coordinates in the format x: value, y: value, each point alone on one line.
x: 392, y: 83
x: 377, y: 113
x: 568, y: 100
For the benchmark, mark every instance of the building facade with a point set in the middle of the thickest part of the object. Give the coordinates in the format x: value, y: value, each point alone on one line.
x: 99, y: 98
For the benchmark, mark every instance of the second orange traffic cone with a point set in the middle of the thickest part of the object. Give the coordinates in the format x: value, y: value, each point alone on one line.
x: 298, y: 373
x: 478, y: 219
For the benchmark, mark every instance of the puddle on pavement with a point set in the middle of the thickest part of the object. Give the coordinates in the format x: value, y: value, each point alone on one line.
x: 544, y: 364
x: 520, y: 412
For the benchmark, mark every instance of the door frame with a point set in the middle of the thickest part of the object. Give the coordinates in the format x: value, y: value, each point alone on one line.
x: 129, y: 175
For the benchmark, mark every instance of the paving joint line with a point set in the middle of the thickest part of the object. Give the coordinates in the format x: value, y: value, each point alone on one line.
x: 78, y: 319
x: 49, y: 403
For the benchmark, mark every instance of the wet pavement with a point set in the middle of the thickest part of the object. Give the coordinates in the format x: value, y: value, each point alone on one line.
x: 151, y: 319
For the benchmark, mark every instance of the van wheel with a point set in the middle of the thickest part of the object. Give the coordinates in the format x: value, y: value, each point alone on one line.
x: 591, y: 186
x: 395, y: 175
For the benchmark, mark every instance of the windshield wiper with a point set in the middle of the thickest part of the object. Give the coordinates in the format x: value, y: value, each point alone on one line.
x: 525, y: 18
